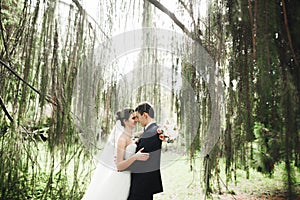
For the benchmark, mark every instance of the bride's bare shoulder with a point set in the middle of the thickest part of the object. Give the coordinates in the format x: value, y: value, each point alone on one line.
x: 122, y: 139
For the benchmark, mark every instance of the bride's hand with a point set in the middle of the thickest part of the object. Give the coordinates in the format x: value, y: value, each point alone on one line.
x: 141, y: 156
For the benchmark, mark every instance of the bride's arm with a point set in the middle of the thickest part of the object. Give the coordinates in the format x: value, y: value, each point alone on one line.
x: 124, y: 164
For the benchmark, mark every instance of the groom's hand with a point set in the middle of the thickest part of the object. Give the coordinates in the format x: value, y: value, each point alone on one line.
x: 141, y: 156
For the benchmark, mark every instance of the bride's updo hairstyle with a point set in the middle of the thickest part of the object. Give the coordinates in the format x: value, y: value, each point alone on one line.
x: 124, y: 115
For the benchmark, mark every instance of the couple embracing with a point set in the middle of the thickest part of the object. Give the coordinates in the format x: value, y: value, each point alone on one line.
x: 129, y: 170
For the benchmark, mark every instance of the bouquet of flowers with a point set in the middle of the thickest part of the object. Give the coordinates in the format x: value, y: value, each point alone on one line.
x: 168, y: 132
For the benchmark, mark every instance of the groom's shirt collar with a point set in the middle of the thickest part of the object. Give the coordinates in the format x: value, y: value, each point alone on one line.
x: 152, y: 122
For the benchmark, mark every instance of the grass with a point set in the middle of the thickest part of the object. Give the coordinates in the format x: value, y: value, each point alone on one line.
x: 179, y: 182
x: 182, y: 184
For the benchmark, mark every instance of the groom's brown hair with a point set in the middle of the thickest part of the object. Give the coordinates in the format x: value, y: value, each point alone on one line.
x: 145, y: 107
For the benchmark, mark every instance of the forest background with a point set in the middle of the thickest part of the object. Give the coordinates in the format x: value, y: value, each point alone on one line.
x: 238, y: 121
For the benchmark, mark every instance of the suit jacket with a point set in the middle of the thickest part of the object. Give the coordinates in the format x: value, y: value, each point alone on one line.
x: 145, y: 175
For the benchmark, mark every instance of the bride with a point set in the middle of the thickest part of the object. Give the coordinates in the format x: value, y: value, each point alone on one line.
x: 109, y: 181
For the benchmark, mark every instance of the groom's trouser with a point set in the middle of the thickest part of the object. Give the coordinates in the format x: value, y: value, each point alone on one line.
x: 140, y: 197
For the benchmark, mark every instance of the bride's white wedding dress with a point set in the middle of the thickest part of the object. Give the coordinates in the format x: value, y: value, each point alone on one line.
x: 109, y: 184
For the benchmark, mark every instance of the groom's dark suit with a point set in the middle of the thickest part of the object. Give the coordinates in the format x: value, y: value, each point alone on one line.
x: 145, y: 175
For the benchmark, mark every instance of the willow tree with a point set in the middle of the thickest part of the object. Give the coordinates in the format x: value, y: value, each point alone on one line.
x: 40, y: 56
x: 289, y: 94
x: 201, y: 106
x: 265, y: 98
x: 45, y: 53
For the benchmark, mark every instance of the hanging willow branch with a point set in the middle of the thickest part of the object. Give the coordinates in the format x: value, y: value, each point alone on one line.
x: 174, y: 18
x: 83, y: 12
x: 253, y: 25
x: 30, y: 86
x: 288, y: 32
x: 193, y: 35
x: 189, y: 10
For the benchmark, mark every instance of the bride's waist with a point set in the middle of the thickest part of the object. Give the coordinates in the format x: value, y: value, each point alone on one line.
x: 124, y: 172
x: 113, y: 168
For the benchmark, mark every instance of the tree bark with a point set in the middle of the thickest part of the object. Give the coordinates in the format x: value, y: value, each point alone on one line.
x: 174, y: 18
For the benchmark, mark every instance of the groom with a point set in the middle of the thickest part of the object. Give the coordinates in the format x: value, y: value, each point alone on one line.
x: 145, y: 176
